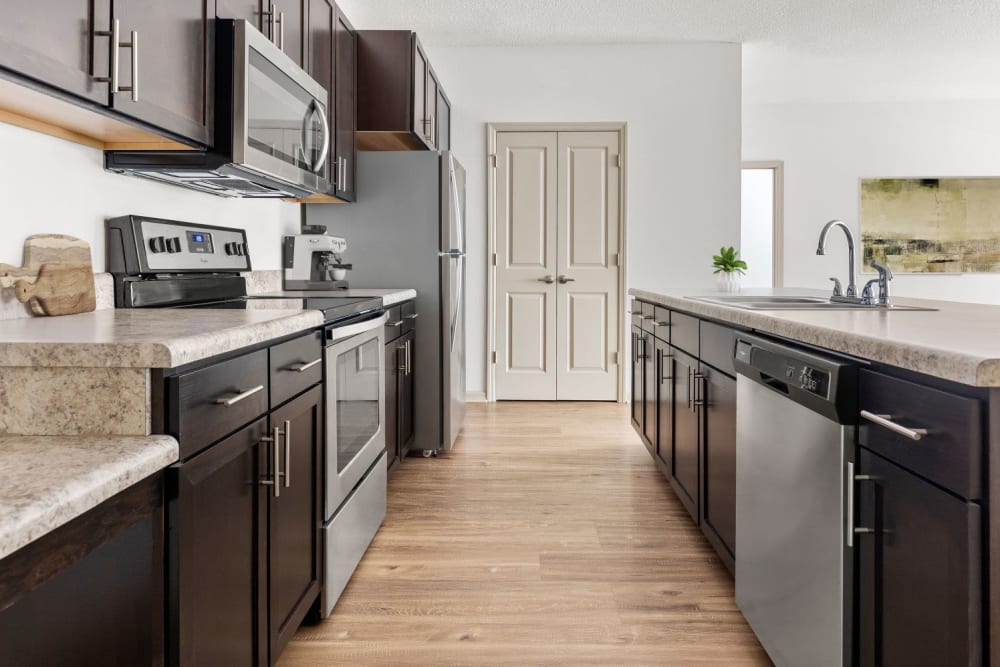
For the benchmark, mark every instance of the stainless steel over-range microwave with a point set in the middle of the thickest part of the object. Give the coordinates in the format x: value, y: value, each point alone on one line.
x: 272, y: 129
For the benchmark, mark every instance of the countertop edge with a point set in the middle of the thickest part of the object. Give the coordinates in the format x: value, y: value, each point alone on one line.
x: 965, y: 369
x: 80, y: 495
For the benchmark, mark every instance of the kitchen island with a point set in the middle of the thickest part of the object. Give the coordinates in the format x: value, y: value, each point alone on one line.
x: 921, y: 587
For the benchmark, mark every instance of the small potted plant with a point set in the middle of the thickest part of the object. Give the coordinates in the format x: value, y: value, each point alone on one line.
x: 728, y: 269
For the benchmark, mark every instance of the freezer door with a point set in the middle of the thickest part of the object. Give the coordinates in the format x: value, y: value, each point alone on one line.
x: 452, y: 256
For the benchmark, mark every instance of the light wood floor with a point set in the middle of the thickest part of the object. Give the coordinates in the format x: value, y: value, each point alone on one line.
x: 548, y: 537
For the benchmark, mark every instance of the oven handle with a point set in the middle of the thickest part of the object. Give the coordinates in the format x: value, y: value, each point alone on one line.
x: 337, y: 334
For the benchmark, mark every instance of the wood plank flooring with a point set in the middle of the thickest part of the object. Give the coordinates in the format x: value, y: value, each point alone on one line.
x: 548, y: 537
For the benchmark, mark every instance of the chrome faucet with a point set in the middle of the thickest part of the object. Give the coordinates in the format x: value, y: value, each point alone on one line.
x: 884, y: 276
x: 852, y: 290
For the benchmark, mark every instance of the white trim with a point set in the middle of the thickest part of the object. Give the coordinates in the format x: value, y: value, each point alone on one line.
x: 475, y: 397
x: 778, y: 232
x: 491, y: 148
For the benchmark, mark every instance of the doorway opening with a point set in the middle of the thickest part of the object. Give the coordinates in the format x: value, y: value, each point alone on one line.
x: 762, y: 223
x: 556, y: 261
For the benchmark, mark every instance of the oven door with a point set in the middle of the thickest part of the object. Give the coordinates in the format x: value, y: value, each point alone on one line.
x: 355, y: 407
x: 281, y: 124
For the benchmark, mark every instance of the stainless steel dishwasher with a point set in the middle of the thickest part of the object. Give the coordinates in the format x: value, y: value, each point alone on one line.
x: 794, y: 500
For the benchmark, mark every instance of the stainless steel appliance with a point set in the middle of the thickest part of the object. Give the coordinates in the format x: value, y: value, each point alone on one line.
x: 794, y: 503
x: 408, y: 228
x: 272, y: 127
x: 165, y: 263
x: 314, y: 260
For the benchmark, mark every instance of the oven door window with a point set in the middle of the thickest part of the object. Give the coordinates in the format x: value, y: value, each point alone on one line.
x: 283, y: 119
x: 358, y: 420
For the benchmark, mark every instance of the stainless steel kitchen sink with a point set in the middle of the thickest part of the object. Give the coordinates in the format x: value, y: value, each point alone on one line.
x: 750, y: 302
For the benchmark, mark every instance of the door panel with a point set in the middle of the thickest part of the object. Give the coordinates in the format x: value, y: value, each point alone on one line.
x: 419, y: 91
x: 346, y: 105
x: 685, y: 466
x: 719, y: 508
x: 294, y: 517
x: 175, y: 91
x: 526, y: 254
x: 587, y: 233
x: 52, y: 41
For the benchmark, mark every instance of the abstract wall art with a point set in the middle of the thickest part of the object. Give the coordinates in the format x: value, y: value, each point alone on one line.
x: 931, y: 225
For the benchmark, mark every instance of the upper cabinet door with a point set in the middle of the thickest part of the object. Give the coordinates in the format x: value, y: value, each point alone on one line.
x: 421, y: 123
x: 286, y: 26
x: 320, y: 63
x: 443, y: 117
x: 53, y: 41
x: 346, y: 85
x: 430, y: 112
x: 249, y: 10
x: 165, y: 70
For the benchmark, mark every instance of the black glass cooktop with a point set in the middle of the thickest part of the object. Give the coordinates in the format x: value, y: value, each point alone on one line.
x: 335, y: 309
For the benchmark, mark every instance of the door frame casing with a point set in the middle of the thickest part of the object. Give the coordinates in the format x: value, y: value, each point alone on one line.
x: 777, y: 168
x: 492, y: 130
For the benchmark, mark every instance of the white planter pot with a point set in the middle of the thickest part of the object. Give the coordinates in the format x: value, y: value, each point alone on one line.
x: 727, y: 282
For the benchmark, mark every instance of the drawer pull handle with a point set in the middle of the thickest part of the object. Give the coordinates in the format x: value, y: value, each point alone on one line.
x: 302, y: 368
x: 885, y: 421
x: 648, y: 317
x: 233, y: 400
x: 662, y: 324
x: 394, y: 324
x: 411, y: 316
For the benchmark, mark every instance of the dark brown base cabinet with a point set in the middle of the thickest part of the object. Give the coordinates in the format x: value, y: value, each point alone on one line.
x: 90, y: 592
x: 638, y: 382
x: 400, y: 337
x: 244, y: 513
x: 718, y: 503
x: 919, y: 570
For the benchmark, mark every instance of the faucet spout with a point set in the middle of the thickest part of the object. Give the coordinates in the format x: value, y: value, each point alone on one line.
x: 852, y: 289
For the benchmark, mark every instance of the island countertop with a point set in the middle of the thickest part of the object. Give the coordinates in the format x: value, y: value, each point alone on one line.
x: 957, y: 341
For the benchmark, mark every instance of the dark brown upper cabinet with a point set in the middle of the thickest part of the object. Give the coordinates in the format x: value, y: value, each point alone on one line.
x: 139, y: 69
x: 398, y: 94
x: 166, y: 67
x: 331, y: 59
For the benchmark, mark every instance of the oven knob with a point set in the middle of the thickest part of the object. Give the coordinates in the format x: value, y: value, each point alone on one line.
x: 173, y: 245
x: 230, y: 248
x: 242, y: 248
x: 156, y: 244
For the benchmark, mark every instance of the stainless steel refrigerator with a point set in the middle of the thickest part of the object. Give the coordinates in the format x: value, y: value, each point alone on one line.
x: 407, y: 229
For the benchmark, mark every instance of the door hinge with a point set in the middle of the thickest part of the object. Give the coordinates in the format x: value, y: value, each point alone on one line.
x: 614, y: 259
x: 493, y: 159
x: 494, y: 259
x: 614, y: 358
x: 494, y: 356
x: 617, y: 161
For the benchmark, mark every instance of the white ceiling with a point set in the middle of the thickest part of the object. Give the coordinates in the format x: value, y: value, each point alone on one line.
x: 810, y: 26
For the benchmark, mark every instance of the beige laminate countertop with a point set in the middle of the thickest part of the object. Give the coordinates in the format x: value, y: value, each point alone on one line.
x: 47, y: 481
x: 389, y: 296
x: 958, y: 341
x: 146, y: 338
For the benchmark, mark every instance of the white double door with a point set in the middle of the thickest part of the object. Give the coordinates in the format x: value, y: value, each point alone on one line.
x: 557, y: 278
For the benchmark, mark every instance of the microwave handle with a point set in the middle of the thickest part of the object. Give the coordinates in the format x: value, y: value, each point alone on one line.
x: 321, y: 159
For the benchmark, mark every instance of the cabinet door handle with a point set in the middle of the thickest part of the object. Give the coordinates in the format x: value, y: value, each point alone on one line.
x: 233, y: 400
x: 275, y: 462
x: 281, y: 30
x: 409, y: 357
x: 664, y: 376
x: 411, y: 316
x: 849, y: 509
x: 699, y: 391
x: 662, y: 324
x: 303, y: 367
x: 288, y: 453
x: 690, y: 398
x: 401, y: 365
x: 885, y: 421
x: 397, y: 323
x: 116, y: 45
x: 648, y: 317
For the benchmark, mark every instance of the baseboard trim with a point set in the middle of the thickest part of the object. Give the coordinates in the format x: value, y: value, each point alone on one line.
x: 475, y: 397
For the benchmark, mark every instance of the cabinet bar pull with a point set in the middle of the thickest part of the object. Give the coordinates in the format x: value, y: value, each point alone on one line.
x: 277, y: 463
x: 849, y: 509
x: 699, y: 391
x: 409, y: 357
x: 397, y: 323
x: 885, y: 421
x: 233, y: 400
x: 663, y: 367
x: 288, y: 453
x: 662, y: 324
x: 303, y: 367
x: 648, y: 317
x: 411, y: 316
x: 281, y: 30
x: 401, y: 365
x: 689, y: 392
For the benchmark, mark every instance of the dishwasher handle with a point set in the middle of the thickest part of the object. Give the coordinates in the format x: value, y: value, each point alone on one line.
x: 774, y: 383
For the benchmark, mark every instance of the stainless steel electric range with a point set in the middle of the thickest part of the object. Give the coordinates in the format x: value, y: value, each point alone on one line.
x: 168, y: 264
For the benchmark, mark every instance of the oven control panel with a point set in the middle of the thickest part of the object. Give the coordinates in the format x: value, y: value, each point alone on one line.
x: 168, y: 246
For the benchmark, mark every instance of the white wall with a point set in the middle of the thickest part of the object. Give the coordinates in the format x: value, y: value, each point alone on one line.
x: 49, y: 185
x: 828, y: 147
x: 682, y: 106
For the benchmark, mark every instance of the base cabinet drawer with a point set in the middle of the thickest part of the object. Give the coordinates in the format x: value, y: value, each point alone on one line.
x: 919, y: 595
x: 295, y: 365
x: 949, y: 450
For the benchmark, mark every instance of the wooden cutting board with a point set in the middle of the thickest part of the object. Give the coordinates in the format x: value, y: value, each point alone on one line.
x: 41, y: 249
x: 60, y: 288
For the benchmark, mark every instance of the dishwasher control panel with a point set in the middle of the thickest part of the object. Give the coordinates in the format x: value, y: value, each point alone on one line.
x: 812, y: 380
